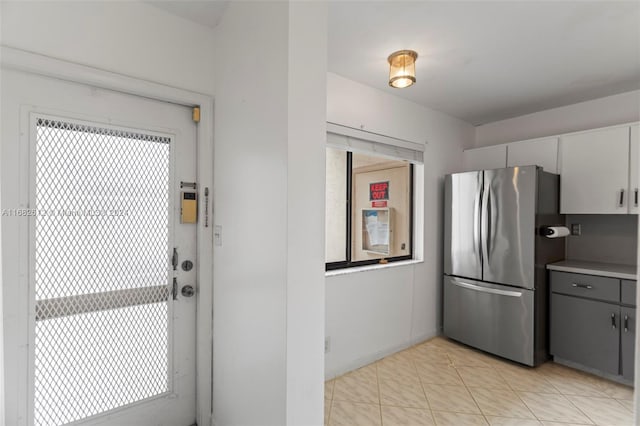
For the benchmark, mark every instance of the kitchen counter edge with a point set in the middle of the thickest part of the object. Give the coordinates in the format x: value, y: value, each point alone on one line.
x: 625, y: 272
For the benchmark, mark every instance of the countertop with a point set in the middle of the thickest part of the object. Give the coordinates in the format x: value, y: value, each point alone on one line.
x: 625, y: 272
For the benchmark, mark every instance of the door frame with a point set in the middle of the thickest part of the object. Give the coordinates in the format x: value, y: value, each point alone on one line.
x: 31, y: 63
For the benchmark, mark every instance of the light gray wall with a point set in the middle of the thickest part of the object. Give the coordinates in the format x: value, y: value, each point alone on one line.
x: 376, y: 312
x: 616, y: 109
x: 126, y: 37
x: 270, y: 123
x: 605, y: 238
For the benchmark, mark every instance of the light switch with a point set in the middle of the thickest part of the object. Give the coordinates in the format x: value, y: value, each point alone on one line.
x: 217, y: 235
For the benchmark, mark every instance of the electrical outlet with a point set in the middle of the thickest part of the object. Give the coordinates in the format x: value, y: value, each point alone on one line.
x: 576, y: 229
x: 327, y: 345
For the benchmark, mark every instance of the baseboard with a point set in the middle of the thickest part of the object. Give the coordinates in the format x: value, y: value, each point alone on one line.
x: 378, y: 355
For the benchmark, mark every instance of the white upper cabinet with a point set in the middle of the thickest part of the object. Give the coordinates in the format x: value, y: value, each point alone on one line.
x: 594, y: 168
x: 538, y: 152
x: 634, y: 152
x: 490, y: 157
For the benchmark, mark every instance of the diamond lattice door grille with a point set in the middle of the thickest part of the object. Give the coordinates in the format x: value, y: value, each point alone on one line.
x: 101, y: 269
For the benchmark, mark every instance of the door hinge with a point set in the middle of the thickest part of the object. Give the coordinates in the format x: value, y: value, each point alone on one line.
x: 174, y: 259
x: 196, y: 114
x: 174, y: 289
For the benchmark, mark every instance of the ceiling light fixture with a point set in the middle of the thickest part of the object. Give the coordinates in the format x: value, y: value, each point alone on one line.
x: 402, y: 68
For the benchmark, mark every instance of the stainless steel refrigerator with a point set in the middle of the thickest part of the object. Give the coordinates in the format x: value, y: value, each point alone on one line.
x: 495, y: 285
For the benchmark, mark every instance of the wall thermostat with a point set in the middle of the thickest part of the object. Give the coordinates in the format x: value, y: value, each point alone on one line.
x: 188, y: 207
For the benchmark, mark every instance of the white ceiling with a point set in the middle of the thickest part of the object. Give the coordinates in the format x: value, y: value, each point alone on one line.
x: 481, y: 61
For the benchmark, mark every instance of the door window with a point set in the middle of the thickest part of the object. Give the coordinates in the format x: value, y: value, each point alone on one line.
x: 102, y: 238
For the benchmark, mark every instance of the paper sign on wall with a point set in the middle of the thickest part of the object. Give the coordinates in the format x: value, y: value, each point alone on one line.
x: 377, y: 229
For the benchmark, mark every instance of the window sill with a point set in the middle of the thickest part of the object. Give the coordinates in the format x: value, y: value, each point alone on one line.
x: 345, y: 271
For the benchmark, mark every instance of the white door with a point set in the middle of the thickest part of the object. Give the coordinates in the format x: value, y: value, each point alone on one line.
x: 91, y: 186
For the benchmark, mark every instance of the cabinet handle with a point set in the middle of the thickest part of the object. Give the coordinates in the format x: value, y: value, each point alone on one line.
x: 635, y: 197
x: 613, y: 321
x: 621, y: 203
x: 626, y: 323
x: 587, y: 286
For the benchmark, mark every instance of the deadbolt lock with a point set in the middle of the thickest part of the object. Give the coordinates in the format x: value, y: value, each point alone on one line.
x: 187, y: 265
x: 187, y: 291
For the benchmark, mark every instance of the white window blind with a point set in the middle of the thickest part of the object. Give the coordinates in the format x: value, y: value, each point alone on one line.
x: 350, y: 139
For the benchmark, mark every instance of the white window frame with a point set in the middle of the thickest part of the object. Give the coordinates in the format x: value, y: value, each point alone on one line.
x: 361, y: 141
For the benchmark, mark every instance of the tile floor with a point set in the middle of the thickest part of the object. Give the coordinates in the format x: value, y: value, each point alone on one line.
x: 440, y: 382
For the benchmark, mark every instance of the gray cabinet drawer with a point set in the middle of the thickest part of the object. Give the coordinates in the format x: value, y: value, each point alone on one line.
x: 628, y: 292
x: 591, y: 286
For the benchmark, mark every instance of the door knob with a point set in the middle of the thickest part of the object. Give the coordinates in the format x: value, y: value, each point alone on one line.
x: 187, y: 291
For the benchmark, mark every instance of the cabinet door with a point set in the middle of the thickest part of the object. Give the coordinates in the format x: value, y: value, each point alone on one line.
x: 586, y: 332
x: 627, y: 341
x: 634, y: 152
x: 595, y: 172
x: 490, y: 157
x: 540, y: 152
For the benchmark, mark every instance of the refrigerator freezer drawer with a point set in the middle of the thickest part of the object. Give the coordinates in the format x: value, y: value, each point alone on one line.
x: 494, y: 318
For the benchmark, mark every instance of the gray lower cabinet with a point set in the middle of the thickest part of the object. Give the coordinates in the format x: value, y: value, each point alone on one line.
x: 585, y: 331
x: 593, y: 322
x: 627, y: 341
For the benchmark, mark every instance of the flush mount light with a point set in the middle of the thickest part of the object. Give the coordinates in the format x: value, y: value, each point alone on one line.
x: 402, y: 68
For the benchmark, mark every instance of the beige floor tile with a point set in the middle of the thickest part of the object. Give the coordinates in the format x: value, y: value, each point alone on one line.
x: 354, y: 414
x: 482, y: 377
x: 328, y: 389
x: 450, y: 398
x: 576, y: 385
x: 430, y: 355
x: 400, y: 416
x: 442, y: 343
x: 446, y: 418
x: 402, y: 393
x: 402, y: 357
x: 506, y: 421
x: 467, y: 358
x: 553, y: 407
x: 569, y: 381
x: 434, y: 376
x: 397, y: 367
x: 356, y: 387
x: 626, y: 403
x: 327, y: 411
x: 603, y: 411
x: 438, y: 374
x: 616, y: 390
x: 368, y: 373
x: 561, y: 424
x: 526, y: 379
x: 553, y: 369
x: 492, y: 360
x: 500, y: 402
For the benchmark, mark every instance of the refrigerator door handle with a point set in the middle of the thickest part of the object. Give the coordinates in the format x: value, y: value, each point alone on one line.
x: 485, y: 227
x: 477, y: 243
x: 470, y: 286
x: 490, y: 227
